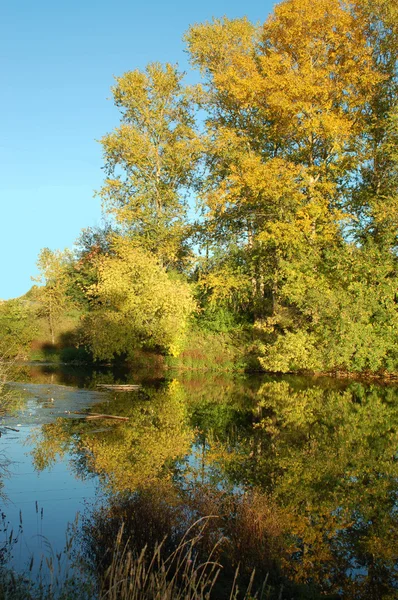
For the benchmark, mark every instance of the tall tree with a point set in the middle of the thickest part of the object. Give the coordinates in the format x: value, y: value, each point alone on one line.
x: 375, y: 195
x: 53, y: 298
x: 150, y: 160
x: 285, y: 106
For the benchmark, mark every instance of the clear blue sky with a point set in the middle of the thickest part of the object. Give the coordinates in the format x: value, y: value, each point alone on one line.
x: 58, y: 59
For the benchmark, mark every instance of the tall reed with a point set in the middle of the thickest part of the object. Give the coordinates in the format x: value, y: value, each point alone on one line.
x: 179, y: 576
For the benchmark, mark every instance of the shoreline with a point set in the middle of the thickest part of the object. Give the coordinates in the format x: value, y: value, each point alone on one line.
x: 335, y: 374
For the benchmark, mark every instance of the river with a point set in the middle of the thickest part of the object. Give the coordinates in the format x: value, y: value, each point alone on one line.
x: 320, y: 453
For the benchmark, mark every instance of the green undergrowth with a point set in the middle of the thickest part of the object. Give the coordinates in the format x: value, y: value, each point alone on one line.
x: 48, y: 353
x: 214, y: 351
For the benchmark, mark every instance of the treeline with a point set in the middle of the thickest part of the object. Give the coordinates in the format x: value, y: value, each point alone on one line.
x: 288, y: 146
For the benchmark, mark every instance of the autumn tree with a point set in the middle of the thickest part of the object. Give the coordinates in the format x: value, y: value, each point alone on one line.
x: 135, y: 303
x: 284, y: 107
x: 150, y: 160
x: 293, y: 107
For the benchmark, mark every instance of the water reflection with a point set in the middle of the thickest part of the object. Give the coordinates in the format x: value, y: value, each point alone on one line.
x: 81, y: 376
x: 329, y: 461
x: 321, y: 453
x: 123, y: 454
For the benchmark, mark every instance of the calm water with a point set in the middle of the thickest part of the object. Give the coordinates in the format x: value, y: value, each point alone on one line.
x: 324, y: 452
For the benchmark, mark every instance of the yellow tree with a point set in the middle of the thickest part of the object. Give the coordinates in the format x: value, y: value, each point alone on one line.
x: 150, y: 159
x: 135, y: 302
x: 285, y: 104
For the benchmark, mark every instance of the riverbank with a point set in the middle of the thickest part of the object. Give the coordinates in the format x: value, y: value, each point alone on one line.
x: 214, y: 354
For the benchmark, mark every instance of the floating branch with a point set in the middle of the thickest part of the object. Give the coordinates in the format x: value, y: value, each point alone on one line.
x: 119, y: 388
x: 100, y: 416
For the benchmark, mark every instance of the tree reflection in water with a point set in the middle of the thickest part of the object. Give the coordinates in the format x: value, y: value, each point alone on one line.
x: 328, y: 460
x: 123, y: 454
x: 325, y: 458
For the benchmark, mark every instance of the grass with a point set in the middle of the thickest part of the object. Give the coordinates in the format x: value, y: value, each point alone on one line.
x: 179, y: 576
x: 231, y: 553
x: 209, y: 351
x: 241, y: 534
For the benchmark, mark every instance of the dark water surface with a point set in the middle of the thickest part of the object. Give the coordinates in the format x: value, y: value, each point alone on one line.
x: 325, y: 453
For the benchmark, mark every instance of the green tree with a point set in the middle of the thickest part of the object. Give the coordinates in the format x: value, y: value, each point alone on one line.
x: 337, y: 311
x: 17, y: 328
x: 52, y: 295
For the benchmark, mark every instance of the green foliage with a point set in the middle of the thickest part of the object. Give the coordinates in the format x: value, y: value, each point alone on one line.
x: 292, y: 351
x: 339, y: 314
x: 17, y: 328
x: 52, y: 296
x: 217, y: 319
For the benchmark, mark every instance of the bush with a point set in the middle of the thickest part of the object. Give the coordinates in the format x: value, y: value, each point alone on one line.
x: 135, y: 304
x: 16, y: 329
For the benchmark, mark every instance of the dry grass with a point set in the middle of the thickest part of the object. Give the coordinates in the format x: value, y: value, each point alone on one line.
x: 217, y: 543
x: 182, y: 575
x: 145, y: 575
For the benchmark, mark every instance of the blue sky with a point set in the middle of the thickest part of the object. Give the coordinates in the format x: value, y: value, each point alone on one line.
x: 57, y: 61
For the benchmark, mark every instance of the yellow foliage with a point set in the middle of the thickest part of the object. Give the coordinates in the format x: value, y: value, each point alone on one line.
x: 150, y: 157
x: 286, y: 103
x: 136, y: 303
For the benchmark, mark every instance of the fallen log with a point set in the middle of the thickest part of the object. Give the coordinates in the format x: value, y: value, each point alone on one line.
x: 119, y: 388
x: 92, y: 416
